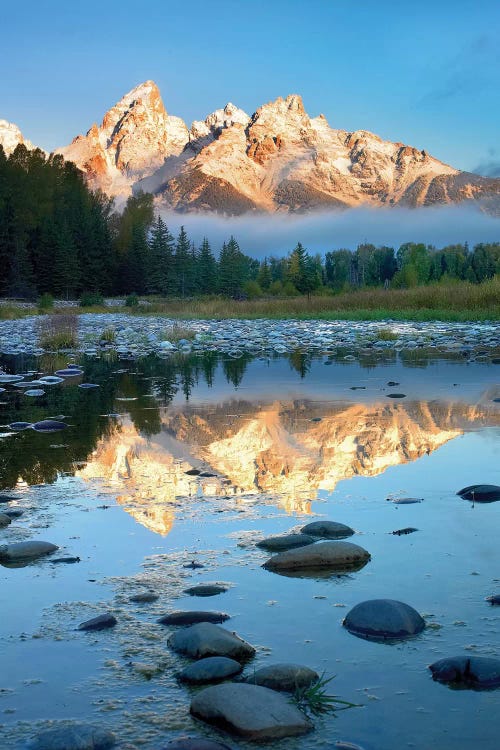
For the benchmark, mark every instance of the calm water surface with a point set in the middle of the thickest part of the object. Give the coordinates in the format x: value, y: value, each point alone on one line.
x: 288, y: 440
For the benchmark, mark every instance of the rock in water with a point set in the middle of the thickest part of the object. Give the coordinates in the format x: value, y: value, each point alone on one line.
x: 283, y: 677
x: 407, y: 530
x: 384, y: 620
x: 145, y: 598
x: 13, y: 512
x: 4, y: 520
x: 70, y: 372
x: 195, y: 743
x: 327, y: 530
x: 7, y: 498
x: 206, y: 590
x: 25, y: 550
x: 478, y: 672
x: 49, y: 425
x: 404, y: 500
x: 211, y: 669
x: 324, y: 555
x: 101, y: 622
x: 481, y: 493
x: 494, y: 599
x: 19, y: 426
x: 286, y: 541
x: 206, y: 639
x: 396, y: 395
x: 249, y: 711
x: 74, y: 737
x: 192, y: 618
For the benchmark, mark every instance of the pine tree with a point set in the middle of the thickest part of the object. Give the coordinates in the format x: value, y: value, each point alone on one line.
x: 183, y: 263
x: 207, y: 269
x: 264, y: 277
x: 161, y: 273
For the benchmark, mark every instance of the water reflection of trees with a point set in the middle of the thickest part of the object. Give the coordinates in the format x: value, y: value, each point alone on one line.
x: 147, y: 385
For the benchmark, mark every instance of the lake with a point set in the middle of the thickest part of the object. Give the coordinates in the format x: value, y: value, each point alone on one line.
x: 281, y: 441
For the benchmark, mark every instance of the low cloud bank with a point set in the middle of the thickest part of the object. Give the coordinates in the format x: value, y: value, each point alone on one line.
x: 261, y: 235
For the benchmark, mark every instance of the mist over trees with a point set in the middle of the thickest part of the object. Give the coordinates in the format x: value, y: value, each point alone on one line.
x: 59, y: 237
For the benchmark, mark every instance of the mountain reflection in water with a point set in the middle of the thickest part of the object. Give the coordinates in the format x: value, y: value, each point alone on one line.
x: 282, y: 428
x: 287, y: 450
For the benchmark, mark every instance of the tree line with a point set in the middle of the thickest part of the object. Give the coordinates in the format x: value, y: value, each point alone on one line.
x: 59, y: 237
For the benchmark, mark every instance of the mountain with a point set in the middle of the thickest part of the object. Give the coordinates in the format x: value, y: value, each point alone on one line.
x: 11, y: 136
x: 278, y: 159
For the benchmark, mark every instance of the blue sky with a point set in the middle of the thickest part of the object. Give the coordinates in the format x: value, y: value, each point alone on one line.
x: 425, y: 73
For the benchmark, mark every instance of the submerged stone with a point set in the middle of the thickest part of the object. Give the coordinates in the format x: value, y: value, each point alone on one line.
x: 407, y: 530
x: 25, y: 550
x: 249, y: 711
x: 384, y: 620
x: 70, y: 372
x: 470, y: 671
x: 327, y: 530
x: 494, y: 599
x: 74, y: 737
x: 5, y: 520
x: 206, y: 589
x: 101, y: 622
x: 34, y: 392
x: 481, y: 493
x: 145, y: 597
x: 192, y: 618
x: 19, y: 426
x: 330, y: 555
x: 396, y: 395
x: 206, y: 639
x: 13, y: 512
x: 49, y: 425
x: 88, y: 386
x: 284, y: 542
x: 195, y: 743
x: 211, y: 669
x: 283, y: 677
x: 404, y: 500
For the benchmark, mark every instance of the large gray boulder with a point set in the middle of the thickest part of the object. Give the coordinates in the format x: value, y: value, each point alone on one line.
x: 384, y: 620
x: 249, y: 711
x: 25, y: 550
x: 481, y: 493
x: 327, y: 530
x: 283, y: 677
x: 101, y: 622
x: 74, y: 737
x: 285, y: 541
x: 211, y: 669
x: 330, y: 555
x: 478, y: 672
x: 206, y: 639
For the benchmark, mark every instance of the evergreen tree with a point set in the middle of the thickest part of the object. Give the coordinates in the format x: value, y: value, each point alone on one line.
x: 183, y: 263
x: 207, y: 269
x: 264, y: 277
x: 161, y: 274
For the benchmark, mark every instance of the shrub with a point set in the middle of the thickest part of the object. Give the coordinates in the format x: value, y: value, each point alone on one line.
x: 132, y: 300
x: 108, y: 335
x: 46, y: 302
x: 89, y: 299
x: 252, y: 290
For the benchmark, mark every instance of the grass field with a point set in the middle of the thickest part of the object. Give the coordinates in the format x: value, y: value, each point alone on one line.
x: 454, y: 301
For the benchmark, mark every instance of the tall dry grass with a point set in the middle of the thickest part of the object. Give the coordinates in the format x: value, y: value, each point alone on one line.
x: 59, y: 331
x: 451, y: 301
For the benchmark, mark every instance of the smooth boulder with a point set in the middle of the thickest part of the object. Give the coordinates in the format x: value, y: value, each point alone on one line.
x: 284, y: 542
x: 101, y: 622
x: 25, y: 550
x: 324, y: 555
x: 384, y: 620
x: 211, y: 669
x: 207, y: 639
x: 74, y: 737
x: 327, y: 530
x: 249, y: 711
x: 283, y: 677
x: 146, y: 597
x: 481, y: 493
x: 192, y: 618
x: 49, y: 425
x: 478, y: 672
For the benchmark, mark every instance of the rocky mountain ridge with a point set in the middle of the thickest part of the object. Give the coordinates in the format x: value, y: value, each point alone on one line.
x: 279, y: 159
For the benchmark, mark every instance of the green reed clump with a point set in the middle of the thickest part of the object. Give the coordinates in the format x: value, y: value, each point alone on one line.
x: 315, y: 699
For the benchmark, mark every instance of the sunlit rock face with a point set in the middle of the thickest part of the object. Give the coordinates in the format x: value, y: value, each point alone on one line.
x: 11, y: 136
x: 272, y: 449
x: 277, y: 160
